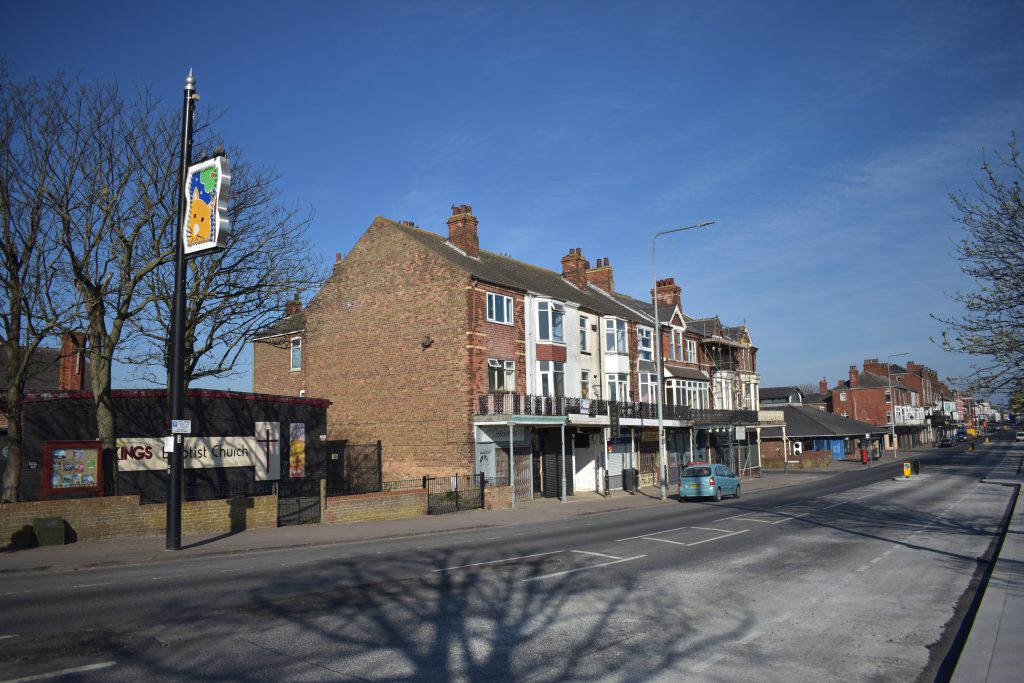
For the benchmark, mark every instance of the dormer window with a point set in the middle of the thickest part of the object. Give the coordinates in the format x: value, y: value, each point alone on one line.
x: 549, y: 321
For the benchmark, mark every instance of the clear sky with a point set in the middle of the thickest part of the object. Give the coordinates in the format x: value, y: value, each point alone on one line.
x: 822, y: 137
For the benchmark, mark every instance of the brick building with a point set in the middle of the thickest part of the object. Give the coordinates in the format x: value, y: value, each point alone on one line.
x: 865, y: 396
x: 453, y: 355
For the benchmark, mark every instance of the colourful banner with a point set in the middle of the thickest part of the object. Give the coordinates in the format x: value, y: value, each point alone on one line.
x: 297, y: 450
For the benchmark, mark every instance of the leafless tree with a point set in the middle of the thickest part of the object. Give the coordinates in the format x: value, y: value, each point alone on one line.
x: 992, y: 253
x: 37, y: 298
x: 236, y: 291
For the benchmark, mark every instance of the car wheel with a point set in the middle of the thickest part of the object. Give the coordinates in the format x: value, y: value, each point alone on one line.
x: 718, y: 495
x: 737, y: 490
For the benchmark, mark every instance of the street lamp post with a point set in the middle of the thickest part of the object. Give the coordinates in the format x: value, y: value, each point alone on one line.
x: 892, y: 401
x: 662, y: 455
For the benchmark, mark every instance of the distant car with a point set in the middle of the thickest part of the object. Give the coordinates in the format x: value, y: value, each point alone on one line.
x: 961, y: 437
x: 946, y: 443
x: 708, y: 481
x: 1019, y: 437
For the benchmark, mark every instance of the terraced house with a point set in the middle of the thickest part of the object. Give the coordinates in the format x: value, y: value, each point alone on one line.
x: 461, y: 360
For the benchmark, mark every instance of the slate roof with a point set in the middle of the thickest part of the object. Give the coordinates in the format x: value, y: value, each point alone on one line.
x: 869, y: 380
x: 806, y: 423
x: 777, y: 393
x: 509, y: 272
x: 286, y: 325
x: 44, y: 371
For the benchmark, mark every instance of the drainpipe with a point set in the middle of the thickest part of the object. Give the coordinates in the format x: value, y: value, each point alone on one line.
x: 511, y: 464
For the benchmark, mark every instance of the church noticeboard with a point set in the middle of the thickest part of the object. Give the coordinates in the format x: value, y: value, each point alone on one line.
x: 73, y: 467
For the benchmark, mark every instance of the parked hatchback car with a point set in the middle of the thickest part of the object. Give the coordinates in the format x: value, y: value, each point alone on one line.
x: 708, y: 481
x: 1019, y: 437
x: 946, y: 443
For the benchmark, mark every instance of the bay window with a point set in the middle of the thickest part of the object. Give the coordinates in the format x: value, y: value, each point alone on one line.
x: 615, y: 336
x: 552, y: 378
x: 549, y: 321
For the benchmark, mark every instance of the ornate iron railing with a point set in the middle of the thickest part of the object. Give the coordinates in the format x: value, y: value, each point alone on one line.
x: 501, y: 403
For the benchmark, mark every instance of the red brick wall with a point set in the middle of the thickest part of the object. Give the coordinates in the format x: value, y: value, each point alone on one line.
x: 365, y: 334
x: 494, y: 340
x: 123, y: 516
x: 553, y: 352
x: 866, y: 405
x: 375, y: 506
x: 271, y: 362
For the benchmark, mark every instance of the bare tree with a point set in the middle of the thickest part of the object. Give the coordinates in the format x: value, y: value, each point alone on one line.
x: 112, y: 191
x: 37, y: 301
x: 992, y: 253
x: 233, y: 292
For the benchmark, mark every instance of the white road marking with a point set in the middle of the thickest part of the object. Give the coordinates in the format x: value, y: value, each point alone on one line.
x: 748, y: 638
x: 663, y: 540
x: 864, y: 568
x: 708, y: 662
x: 876, y: 560
x: 582, y: 569
x: 791, y: 517
x: 62, y: 672
x: 507, y: 559
x: 630, y: 538
x: 90, y: 585
x: 782, y: 617
x: 707, y: 528
x: 706, y: 540
x: 13, y: 635
x: 835, y: 505
x: 587, y: 552
x: 726, y: 519
x: 14, y: 593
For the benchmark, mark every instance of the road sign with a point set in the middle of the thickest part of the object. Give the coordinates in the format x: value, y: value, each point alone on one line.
x: 181, y: 426
x: 906, y: 469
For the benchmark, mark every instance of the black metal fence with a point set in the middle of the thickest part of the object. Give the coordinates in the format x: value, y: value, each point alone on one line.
x: 354, y: 468
x: 454, y: 493
x: 499, y: 403
x: 298, y: 502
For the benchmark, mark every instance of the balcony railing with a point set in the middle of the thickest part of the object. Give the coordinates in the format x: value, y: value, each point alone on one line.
x: 560, y: 406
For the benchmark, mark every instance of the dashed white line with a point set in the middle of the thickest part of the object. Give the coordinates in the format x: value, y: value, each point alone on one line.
x: 708, y: 662
x: 587, y: 552
x: 582, y: 569
x: 13, y: 635
x: 864, y: 568
x: 90, y: 585
x: 876, y: 560
x: 782, y: 617
x: 707, y: 540
x: 62, y: 672
x: 748, y: 638
x: 630, y: 538
x: 507, y: 559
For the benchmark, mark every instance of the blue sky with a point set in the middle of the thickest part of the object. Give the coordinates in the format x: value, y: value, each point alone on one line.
x: 823, y: 138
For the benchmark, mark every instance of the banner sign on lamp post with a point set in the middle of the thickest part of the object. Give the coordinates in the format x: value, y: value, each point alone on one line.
x: 206, y: 216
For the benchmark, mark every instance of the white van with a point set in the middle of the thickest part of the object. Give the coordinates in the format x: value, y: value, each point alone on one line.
x: 1019, y: 437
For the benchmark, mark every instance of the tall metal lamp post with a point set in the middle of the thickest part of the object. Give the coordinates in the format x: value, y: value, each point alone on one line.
x: 892, y: 401
x: 662, y: 455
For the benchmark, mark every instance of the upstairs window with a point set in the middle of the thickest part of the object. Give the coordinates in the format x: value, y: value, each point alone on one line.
x: 618, y: 386
x: 552, y: 378
x: 676, y: 346
x: 296, y: 353
x: 615, y: 336
x: 499, y: 308
x: 648, y: 387
x: 842, y: 395
x: 501, y: 375
x: 645, y: 343
x: 691, y: 351
x: 549, y: 321
x: 584, y: 334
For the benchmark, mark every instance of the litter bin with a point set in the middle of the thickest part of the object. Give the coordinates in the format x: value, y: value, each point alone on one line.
x: 917, y: 466
x: 629, y: 480
x: 48, y: 530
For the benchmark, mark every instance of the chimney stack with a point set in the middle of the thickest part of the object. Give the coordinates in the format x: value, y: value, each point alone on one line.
x: 462, y: 230
x: 574, y: 268
x: 854, y: 377
x: 823, y: 386
x: 72, y: 361
x: 601, y: 276
x: 668, y: 292
x: 294, y: 306
x: 876, y: 367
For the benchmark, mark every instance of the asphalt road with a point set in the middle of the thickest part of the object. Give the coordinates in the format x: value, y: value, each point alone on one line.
x: 860, y: 577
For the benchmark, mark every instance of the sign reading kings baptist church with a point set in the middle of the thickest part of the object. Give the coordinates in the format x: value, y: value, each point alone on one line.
x: 206, y: 217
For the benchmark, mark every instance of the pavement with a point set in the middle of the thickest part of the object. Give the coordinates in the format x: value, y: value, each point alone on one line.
x: 993, y: 652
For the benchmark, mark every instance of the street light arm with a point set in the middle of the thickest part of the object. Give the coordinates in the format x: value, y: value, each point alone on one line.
x: 660, y: 398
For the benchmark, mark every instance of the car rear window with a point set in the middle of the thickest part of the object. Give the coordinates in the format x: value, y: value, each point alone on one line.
x: 697, y: 472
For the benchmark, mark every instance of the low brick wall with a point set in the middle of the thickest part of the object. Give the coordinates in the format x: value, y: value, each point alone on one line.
x: 123, y: 516
x: 497, y: 497
x: 366, y: 507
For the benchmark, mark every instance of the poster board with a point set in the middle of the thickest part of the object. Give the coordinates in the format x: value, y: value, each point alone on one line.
x: 71, y: 467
